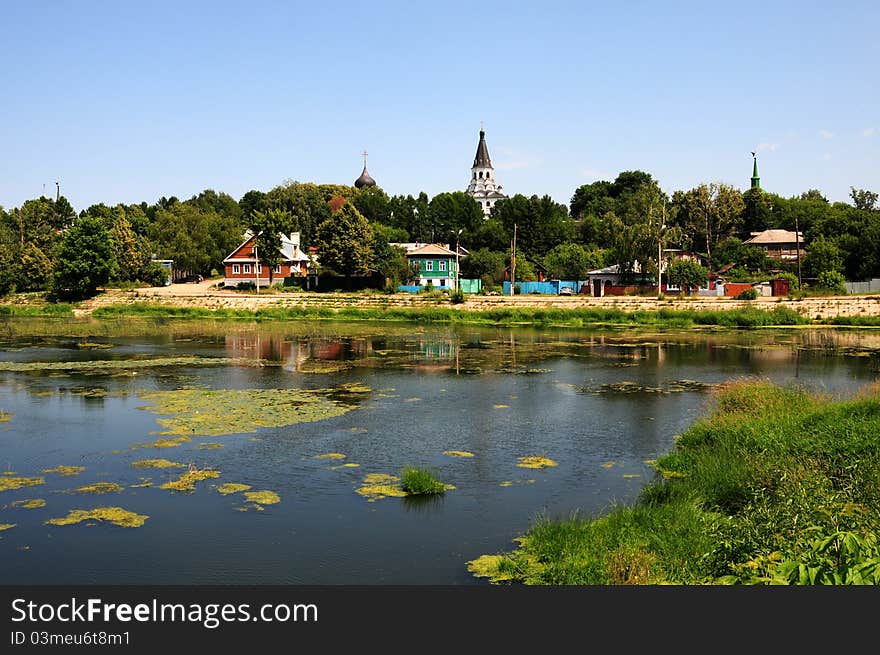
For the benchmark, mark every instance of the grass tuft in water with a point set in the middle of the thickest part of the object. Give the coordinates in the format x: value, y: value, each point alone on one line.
x: 417, y: 481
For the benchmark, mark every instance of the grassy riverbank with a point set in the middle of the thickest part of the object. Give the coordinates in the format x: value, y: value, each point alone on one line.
x: 775, y: 486
x: 677, y: 318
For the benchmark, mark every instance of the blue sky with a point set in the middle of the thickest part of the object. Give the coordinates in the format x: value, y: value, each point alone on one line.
x: 127, y: 102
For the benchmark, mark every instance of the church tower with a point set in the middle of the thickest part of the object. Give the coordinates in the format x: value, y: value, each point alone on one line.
x: 483, y: 187
x: 364, y: 179
x: 756, y: 181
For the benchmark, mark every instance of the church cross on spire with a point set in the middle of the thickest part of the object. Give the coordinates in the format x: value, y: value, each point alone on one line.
x: 364, y: 155
x: 756, y: 181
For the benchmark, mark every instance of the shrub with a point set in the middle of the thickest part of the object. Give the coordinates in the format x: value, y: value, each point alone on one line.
x: 832, y: 281
x: 154, y: 274
x: 419, y: 481
x: 748, y: 294
x: 456, y: 296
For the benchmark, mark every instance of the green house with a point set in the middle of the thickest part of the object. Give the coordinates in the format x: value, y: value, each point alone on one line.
x: 435, y: 264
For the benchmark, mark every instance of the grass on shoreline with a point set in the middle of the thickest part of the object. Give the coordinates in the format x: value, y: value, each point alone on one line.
x: 774, y: 487
x: 737, y: 317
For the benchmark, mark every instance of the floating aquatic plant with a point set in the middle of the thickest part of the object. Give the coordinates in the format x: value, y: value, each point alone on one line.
x: 114, y: 515
x: 164, y: 443
x: 323, y: 366
x: 30, y: 503
x: 232, y: 488
x: 155, y: 464
x: 330, y: 456
x: 347, y: 465
x: 234, y: 411
x: 144, y: 482
x: 608, y: 465
x: 187, y: 481
x: 506, y: 483
x: 535, y: 462
x: 99, y: 488
x: 111, y: 365
x: 417, y: 481
x: 380, y: 485
x: 492, y: 567
x: 262, y: 497
x: 501, y: 406
x: 5, y: 417
x: 209, y: 446
x: 65, y: 470
x: 8, y: 483
x: 457, y: 453
x: 7, y: 526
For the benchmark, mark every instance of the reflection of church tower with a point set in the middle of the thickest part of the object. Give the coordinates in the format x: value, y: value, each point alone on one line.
x: 364, y: 179
x: 482, y: 187
x: 756, y: 181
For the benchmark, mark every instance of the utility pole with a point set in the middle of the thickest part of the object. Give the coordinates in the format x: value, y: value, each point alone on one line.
x: 660, y: 254
x: 797, y: 240
x: 513, y: 262
x: 457, y: 267
x: 57, y: 191
x: 256, y: 266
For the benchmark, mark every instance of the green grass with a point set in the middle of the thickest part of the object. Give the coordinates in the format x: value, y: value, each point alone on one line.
x: 748, y: 317
x: 774, y: 486
x: 36, y: 310
x: 418, y: 481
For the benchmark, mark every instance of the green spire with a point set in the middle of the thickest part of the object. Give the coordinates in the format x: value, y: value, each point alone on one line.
x: 756, y: 181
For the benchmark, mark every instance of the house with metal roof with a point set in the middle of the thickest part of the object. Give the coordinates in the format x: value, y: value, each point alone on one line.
x: 434, y: 264
x: 243, y: 264
x: 779, y: 244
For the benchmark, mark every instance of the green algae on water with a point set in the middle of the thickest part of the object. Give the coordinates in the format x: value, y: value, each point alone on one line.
x: 99, y: 488
x: 8, y: 483
x: 114, y: 365
x: 144, y: 483
x: 209, y: 446
x: 114, y: 515
x: 330, y: 456
x: 380, y: 485
x: 163, y: 443
x: 535, y: 462
x: 457, y: 453
x: 155, y: 464
x: 187, y: 481
x: 65, y: 470
x: 235, y: 411
x: 29, y: 503
x: 7, y: 526
x: 5, y: 417
x: 262, y: 497
x: 232, y: 488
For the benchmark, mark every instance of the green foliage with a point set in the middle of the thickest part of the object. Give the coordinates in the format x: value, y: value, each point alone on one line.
x: 418, y: 481
x: 687, y: 274
x: 373, y: 203
x: 456, y: 296
x: 541, y: 223
x: 390, y: 260
x: 34, y: 271
x: 268, y: 226
x: 345, y: 242
x: 484, y: 263
x: 823, y: 255
x: 153, y: 274
x: 85, y: 260
x: 832, y: 281
x: 449, y: 212
x: 571, y: 261
x: 747, y: 294
x: 708, y: 214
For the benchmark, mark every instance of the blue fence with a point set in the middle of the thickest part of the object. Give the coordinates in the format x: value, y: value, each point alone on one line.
x: 550, y: 288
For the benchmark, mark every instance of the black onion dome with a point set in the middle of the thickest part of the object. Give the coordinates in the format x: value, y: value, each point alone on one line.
x: 364, y: 179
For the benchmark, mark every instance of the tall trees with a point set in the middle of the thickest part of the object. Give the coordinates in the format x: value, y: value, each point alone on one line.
x: 542, y: 224
x: 85, y: 260
x: 344, y: 242
x: 450, y: 212
x: 709, y: 214
x: 267, y: 228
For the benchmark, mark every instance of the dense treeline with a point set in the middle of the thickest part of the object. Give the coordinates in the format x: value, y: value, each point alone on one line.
x: 45, y: 245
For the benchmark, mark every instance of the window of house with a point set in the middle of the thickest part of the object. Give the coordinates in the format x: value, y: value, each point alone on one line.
x: 259, y: 268
x: 247, y: 268
x: 443, y: 282
x: 673, y: 287
x: 278, y: 268
x: 441, y: 265
x: 236, y: 269
x: 429, y: 265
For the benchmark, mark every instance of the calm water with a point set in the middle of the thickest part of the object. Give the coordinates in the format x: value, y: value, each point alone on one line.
x: 500, y: 394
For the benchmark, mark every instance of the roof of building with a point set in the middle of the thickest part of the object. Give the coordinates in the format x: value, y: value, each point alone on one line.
x: 775, y: 236
x: 289, y: 249
x: 481, y: 159
x: 430, y: 249
x: 364, y: 179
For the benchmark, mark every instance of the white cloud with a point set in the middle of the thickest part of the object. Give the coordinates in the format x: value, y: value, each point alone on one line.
x: 825, y: 134
x: 766, y: 146
x: 512, y: 159
x: 868, y: 132
x: 595, y: 174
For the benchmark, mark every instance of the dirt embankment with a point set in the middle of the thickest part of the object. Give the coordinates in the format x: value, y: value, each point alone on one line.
x: 206, y: 295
